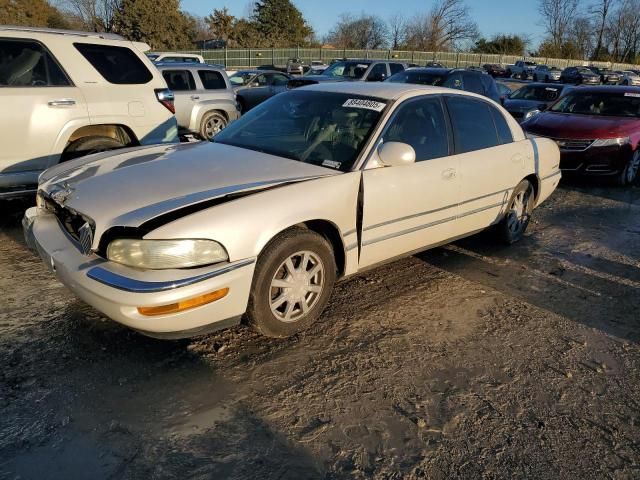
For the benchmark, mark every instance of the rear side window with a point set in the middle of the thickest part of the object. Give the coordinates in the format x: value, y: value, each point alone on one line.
x: 473, y: 124
x: 118, y: 65
x: 279, y: 80
x: 25, y: 63
x: 179, y: 80
x: 212, y: 80
x: 472, y: 83
x: 504, y: 132
x: 396, y: 68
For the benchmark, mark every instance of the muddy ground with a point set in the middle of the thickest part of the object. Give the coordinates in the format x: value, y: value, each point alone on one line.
x: 470, y: 361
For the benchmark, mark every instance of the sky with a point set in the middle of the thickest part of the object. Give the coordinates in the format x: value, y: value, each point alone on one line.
x: 493, y: 16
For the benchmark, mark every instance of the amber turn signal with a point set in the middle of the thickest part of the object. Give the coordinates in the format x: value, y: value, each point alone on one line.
x: 185, y: 304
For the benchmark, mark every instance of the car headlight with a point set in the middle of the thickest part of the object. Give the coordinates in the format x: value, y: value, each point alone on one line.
x: 611, y: 142
x: 165, y: 254
x: 530, y: 114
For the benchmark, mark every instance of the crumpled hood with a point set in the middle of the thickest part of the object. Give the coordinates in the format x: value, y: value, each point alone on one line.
x: 133, y: 186
x: 561, y: 125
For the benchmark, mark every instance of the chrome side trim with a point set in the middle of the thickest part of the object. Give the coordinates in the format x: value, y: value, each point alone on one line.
x: 431, y: 224
x: 349, y: 232
x: 127, y: 284
x: 421, y: 214
x: 554, y: 174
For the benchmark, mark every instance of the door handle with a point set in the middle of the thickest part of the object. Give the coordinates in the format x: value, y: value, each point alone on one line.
x: 449, y: 173
x: 62, y: 102
x: 195, y: 97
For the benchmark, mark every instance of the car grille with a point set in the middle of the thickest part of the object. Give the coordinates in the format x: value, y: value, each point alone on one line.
x: 74, y: 224
x: 573, y: 145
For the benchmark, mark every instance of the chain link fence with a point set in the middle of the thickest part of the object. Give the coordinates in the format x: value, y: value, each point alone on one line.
x: 236, y: 58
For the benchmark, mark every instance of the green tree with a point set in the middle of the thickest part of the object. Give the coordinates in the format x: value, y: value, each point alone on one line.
x: 30, y: 13
x: 222, y: 24
x: 501, y: 44
x: 160, y: 23
x: 281, y: 24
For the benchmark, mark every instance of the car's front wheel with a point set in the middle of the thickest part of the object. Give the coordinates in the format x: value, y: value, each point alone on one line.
x: 512, y: 227
x: 292, y: 283
x: 631, y: 170
x: 212, y: 124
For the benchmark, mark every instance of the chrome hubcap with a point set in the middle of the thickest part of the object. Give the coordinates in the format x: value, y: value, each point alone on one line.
x: 296, y: 286
x: 519, y: 212
x: 213, y: 126
x: 634, y: 166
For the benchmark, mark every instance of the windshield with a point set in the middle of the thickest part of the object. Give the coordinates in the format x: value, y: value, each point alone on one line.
x: 607, y: 104
x: 585, y: 70
x: 326, y: 129
x: 241, y: 78
x: 537, y: 93
x: 419, y: 77
x: 152, y: 56
x: 346, y: 70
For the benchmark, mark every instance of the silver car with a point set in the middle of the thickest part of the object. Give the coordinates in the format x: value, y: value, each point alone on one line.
x: 313, y: 185
x: 205, y: 101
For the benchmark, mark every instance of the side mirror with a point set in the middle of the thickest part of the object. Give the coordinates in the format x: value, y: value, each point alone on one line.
x: 396, y: 154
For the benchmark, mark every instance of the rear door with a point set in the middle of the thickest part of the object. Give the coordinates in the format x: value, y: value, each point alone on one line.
x: 279, y: 83
x: 258, y: 91
x: 183, y: 86
x: 490, y: 163
x: 38, y: 100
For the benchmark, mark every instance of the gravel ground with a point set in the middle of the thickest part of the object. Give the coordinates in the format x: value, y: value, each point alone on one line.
x: 469, y: 361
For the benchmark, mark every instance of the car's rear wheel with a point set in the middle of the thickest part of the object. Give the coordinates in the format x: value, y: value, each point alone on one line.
x: 212, y: 124
x: 292, y: 283
x: 88, y: 145
x: 631, y: 170
x: 512, y: 227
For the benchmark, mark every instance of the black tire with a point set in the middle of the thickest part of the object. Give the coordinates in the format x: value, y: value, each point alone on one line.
x: 211, y: 124
x: 88, y: 145
x: 262, y: 312
x: 631, y: 170
x: 524, y: 76
x: 515, y: 222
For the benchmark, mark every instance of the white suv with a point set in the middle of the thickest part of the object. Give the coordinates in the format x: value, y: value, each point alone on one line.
x: 66, y: 94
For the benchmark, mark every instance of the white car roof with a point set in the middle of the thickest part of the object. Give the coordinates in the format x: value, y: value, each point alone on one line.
x: 385, y: 90
x: 56, y: 31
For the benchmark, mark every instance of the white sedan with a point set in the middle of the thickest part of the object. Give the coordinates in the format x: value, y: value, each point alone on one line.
x: 315, y: 184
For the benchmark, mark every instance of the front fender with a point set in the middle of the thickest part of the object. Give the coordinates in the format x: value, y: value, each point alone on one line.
x: 245, y: 225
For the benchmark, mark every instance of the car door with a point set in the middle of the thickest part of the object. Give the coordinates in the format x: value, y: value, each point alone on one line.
x: 279, y: 83
x: 490, y: 163
x: 38, y: 100
x: 257, y: 91
x: 407, y: 208
x: 183, y: 85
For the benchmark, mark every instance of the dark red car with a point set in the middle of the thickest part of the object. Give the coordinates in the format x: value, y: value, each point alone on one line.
x: 597, y: 130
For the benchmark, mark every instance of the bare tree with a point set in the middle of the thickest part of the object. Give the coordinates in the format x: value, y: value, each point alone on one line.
x: 581, y: 35
x: 446, y: 25
x: 622, y: 34
x: 557, y: 18
x: 363, y: 32
x: 601, y: 10
x: 96, y: 15
x: 397, y: 31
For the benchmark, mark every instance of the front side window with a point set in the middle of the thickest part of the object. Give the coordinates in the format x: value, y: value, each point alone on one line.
x: 212, y: 80
x: 179, y: 80
x: 473, y: 125
x: 241, y: 78
x: 421, y: 124
x: 25, y: 63
x: 354, y: 70
x: 118, y: 65
x: 321, y: 128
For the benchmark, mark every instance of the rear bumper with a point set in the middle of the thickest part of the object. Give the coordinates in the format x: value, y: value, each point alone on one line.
x: 117, y: 291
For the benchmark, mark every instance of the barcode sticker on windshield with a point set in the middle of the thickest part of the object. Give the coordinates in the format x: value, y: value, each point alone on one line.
x: 635, y: 95
x: 368, y: 104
